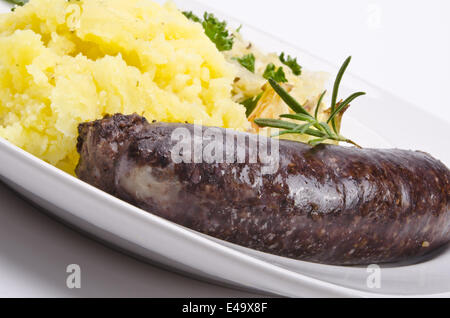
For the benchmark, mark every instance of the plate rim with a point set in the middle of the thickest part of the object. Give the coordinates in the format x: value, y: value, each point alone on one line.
x: 62, y: 177
x: 42, y: 167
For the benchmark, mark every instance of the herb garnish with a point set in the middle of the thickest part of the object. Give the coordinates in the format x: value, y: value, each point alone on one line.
x: 251, y: 103
x: 247, y: 61
x: 312, y: 126
x: 277, y: 75
x: 216, y: 30
x: 291, y: 63
x: 18, y: 2
x: 191, y: 16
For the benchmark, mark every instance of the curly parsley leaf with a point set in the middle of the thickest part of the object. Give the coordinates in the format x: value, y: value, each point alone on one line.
x: 277, y: 75
x: 191, y: 16
x: 291, y: 63
x: 250, y: 104
x: 217, y: 31
x: 247, y: 61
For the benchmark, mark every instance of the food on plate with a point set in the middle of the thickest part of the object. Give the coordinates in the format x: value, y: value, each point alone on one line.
x: 67, y: 66
x: 326, y: 204
x: 67, y: 62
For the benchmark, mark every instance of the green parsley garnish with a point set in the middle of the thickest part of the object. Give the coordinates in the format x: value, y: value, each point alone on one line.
x: 191, y: 16
x: 215, y: 30
x: 311, y: 125
x: 247, y: 61
x: 18, y: 2
x: 272, y: 72
x: 291, y: 63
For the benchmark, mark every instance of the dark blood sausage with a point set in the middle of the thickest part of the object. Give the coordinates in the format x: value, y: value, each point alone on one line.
x: 328, y: 204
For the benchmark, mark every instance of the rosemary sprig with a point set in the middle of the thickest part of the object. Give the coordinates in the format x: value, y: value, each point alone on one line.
x: 316, y: 114
x: 311, y: 125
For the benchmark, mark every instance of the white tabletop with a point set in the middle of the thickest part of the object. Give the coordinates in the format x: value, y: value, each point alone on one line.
x: 402, y: 46
x: 35, y: 251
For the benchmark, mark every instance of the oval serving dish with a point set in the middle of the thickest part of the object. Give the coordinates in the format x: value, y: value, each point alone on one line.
x: 156, y: 240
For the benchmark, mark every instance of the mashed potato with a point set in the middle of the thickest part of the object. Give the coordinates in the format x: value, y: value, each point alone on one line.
x: 65, y: 62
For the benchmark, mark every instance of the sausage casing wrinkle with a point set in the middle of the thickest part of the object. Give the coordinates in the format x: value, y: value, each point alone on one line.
x: 328, y: 204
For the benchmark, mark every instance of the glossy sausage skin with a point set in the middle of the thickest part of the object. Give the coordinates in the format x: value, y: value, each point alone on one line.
x: 328, y: 204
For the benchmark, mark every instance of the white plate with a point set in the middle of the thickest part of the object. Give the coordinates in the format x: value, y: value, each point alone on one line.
x: 159, y: 241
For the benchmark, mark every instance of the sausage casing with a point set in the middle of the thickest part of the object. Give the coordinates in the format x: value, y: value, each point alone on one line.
x: 328, y: 204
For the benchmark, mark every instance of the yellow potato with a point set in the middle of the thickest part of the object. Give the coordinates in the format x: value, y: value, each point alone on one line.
x: 66, y: 62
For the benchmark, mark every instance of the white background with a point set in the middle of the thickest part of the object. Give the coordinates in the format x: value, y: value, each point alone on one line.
x: 401, y: 46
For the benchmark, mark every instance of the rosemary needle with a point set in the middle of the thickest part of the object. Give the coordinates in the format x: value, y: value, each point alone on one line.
x: 311, y: 125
